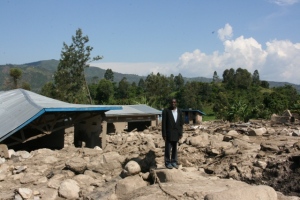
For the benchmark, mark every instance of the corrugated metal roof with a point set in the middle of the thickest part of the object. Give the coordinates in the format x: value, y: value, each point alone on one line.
x: 141, y: 109
x: 20, y: 107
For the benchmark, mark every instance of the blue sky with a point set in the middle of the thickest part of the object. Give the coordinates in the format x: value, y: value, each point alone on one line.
x: 191, y: 37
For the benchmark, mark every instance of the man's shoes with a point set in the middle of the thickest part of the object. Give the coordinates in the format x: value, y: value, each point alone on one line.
x: 169, y: 166
x: 175, y: 165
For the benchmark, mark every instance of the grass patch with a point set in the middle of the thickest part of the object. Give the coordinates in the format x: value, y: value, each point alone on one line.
x: 208, y: 118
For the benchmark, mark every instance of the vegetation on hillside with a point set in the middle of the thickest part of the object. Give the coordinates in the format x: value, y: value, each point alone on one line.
x: 240, y: 96
x: 237, y: 96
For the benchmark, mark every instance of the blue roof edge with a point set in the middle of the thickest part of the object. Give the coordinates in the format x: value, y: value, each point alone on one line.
x: 199, y: 111
x: 83, y: 109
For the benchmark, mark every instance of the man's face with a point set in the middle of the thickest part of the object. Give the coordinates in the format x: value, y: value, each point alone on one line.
x: 173, y: 103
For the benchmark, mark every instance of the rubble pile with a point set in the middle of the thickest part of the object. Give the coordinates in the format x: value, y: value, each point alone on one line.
x: 218, y: 160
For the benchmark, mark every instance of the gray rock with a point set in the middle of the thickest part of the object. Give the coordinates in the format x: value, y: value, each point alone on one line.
x: 69, y: 189
x: 257, y: 132
x: 132, y: 168
x: 77, y: 165
x: 25, y: 193
x: 129, y: 184
x: 245, y: 193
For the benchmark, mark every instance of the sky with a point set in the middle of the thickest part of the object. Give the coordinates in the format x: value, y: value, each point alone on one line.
x: 190, y: 37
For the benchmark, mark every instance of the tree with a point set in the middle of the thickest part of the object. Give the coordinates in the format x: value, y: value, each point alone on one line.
x: 133, y: 90
x: 105, y: 91
x: 95, y: 79
x: 93, y: 90
x: 189, y: 95
x: 265, y: 84
x: 221, y: 105
x: 49, y: 90
x: 16, y: 74
x: 172, y: 82
x: 26, y: 86
x: 242, y: 78
x: 216, y: 78
x: 123, y: 89
x: 157, y: 89
x: 255, y: 78
x: 141, y: 86
x: 109, y: 75
x: 228, y: 78
x: 69, y: 79
x: 179, y: 81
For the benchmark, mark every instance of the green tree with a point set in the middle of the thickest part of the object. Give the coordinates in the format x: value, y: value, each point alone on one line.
x: 255, y: 78
x: 123, y: 88
x: 49, y: 90
x: 26, y: 86
x: 105, y: 91
x: 242, y: 78
x: 141, y: 86
x: 290, y: 94
x: 265, y: 84
x: 189, y: 96
x: 179, y: 81
x: 221, y: 105
x: 275, y: 102
x: 69, y: 78
x: 216, y: 78
x: 95, y: 79
x: 157, y: 89
x: 205, y: 91
x: 228, y: 78
x: 133, y: 90
x: 172, y: 82
x: 93, y: 90
x: 109, y: 75
x: 16, y: 74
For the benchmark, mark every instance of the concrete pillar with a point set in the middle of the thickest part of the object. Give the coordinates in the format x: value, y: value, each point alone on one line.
x: 103, y: 134
x: 88, y: 131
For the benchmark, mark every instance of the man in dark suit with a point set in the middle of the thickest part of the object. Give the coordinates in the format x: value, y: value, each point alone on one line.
x: 172, y: 128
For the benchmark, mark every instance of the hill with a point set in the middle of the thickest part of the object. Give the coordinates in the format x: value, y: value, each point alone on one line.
x: 40, y: 72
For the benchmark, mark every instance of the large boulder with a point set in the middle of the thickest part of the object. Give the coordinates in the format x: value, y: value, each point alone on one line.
x: 245, y: 193
x: 129, y: 184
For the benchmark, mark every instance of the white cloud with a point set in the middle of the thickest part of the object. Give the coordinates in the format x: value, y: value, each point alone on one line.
x: 282, y: 62
x: 225, y: 33
x: 284, y: 2
x: 141, y: 69
x: 279, y: 61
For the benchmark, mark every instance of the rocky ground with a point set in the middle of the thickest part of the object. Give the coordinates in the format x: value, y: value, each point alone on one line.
x: 218, y: 160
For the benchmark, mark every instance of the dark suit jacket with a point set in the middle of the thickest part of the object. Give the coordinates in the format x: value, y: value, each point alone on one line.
x: 171, y: 130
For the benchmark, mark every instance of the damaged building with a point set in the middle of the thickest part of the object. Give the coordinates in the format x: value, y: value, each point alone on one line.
x: 31, y: 121
x: 131, y: 117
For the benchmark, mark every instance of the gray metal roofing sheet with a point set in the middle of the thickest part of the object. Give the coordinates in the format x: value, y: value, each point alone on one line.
x: 140, y: 109
x: 20, y: 107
